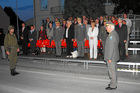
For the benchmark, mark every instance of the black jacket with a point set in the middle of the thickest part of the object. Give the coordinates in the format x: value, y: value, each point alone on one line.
x: 70, y: 32
x: 122, y: 32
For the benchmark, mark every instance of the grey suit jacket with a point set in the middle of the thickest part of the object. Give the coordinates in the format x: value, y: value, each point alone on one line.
x: 111, y: 47
x: 80, y: 32
x: 58, y: 33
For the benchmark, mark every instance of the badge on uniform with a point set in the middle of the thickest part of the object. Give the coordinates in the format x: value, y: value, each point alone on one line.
x: 110, y: 37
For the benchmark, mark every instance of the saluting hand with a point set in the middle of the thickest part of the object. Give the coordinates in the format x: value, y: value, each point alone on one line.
x: 8, y: 53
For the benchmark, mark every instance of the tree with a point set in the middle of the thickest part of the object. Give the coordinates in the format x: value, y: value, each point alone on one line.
x: 123, y: 6
x: 89, y: 8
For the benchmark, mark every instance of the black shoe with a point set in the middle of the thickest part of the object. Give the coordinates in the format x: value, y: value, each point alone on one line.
x: 13, y: 72
x: 109, y: 88
x: 58, y: 56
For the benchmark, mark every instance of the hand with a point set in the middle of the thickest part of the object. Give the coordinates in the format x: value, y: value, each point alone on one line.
x: 21, y: 38
x: 18, y: 50
x: 109, y: 61
x: 40, y: 38
x: 75, y: 40
x: 30, y: 40
x: 8, y: 53
x: 91, y: 37
x: 85, y: 39
x: 124, y: 41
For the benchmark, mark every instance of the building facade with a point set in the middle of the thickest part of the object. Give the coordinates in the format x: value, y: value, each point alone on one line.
x: 47, y: 8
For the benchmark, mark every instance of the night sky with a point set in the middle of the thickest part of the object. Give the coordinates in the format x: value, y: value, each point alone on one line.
x: 25, y: 7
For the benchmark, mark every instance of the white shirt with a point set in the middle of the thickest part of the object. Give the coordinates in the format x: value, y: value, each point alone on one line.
x: 23, y: 29
x: 93, y: 32
x: 67, y: 32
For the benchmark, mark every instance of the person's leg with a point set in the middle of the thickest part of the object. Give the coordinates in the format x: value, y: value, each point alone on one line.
x: 91, y: 48
x: 95, y: 49
x: 3, y: 52
x: 82, y: 48
x: 68, y: 46
x: 112, y: 68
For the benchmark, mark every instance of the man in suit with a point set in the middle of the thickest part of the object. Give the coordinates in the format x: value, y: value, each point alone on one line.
x: 111, y: 55
x: 101, y: 21
x: 128, y: 24
x: 103, y: 35
x: 58, y: 36
x: 69, y: 36
x: 80, y: 37
x: 24, y: 39
x: 122, y: 31
x: 33, y: 39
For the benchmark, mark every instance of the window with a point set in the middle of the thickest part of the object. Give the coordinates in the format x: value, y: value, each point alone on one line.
x: 62, y: 2
x: 43, y: 4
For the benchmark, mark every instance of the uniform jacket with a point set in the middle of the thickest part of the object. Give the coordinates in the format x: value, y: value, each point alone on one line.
x: 10, y: 41
x: 111, y: 47
x: 58, y: 33
x: 122, y: 31
x: 80, y: 32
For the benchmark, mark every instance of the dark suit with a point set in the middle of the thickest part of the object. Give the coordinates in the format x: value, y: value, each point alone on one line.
x: 24, y: 34
x: 33, y: 36
x: 112, y: 53
x: 122, y: 31
x: 69, y: 39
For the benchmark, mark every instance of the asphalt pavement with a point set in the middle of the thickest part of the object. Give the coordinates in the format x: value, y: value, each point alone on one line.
x: 55, y: 77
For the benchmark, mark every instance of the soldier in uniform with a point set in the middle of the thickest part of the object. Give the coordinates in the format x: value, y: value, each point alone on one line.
x: 11, y: 47
x: 111, y: 55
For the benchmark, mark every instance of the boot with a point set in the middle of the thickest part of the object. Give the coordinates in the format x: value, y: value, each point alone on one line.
x: 15, y: 73
x: 12, y: 72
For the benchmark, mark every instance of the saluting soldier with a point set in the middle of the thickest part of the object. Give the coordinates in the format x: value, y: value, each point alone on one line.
x: 111, y: 55
x: 11, y: 47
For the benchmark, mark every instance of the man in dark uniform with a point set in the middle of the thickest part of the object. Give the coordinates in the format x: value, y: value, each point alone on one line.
x: 111, y: 55
x: 11, y: 47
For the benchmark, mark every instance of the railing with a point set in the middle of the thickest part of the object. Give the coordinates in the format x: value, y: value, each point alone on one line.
x: 57, y: 10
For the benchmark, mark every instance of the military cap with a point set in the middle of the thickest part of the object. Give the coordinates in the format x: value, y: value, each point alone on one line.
x: 109, y: 23
x: 10, y: 27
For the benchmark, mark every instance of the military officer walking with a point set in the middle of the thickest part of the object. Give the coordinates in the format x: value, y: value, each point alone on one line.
x: 11, y: 47
x: 111, y: 55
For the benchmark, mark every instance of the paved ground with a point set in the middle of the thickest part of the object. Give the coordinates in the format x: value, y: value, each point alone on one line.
x: 55, y: 77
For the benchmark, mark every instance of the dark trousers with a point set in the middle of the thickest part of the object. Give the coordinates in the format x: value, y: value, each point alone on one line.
x: 122, y: 50
x: 25, y: 47
x: 69, y: 46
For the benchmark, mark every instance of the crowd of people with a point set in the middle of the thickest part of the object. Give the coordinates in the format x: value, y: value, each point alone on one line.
x: 76, y: 30
x: 112, y: 32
